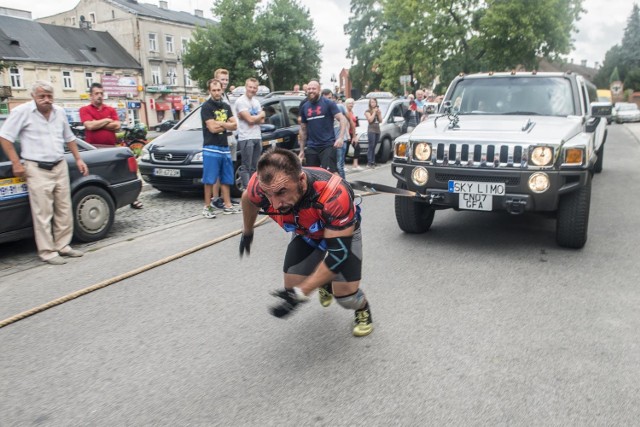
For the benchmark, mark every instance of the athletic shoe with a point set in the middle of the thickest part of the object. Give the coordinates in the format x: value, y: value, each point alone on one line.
x: 235, y: 202
x: 208, y: 212
x: 231, y: 210
x: 290, y: 301
x: 217, y: 203
x: 356, y: 168
x: 371, y: 166
x: 325, y: 296
x: 363, y: 323
x: 73, y: 253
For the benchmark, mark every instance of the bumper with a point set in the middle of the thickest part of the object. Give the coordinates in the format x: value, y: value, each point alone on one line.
x: 517, y: 199
x: 127, y: 192
x: 190, y: 178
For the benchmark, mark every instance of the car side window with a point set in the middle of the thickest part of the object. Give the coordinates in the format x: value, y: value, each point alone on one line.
x: 292, y: 107
x: 273, y: 114
x: 396, y: 112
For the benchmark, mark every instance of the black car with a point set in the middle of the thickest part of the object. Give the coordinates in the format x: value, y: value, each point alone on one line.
x: 173, y: 161
x: 165, y: 125
x: 112, y: 183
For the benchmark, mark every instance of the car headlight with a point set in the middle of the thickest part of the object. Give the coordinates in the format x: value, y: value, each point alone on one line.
x: 400, y: 150
x: 541, y: 156
x: 419, y: 176
x: 422, y: 151
x: 145, y: 154
x: 573, y: 156
x: 363, y: 138
x: 197, y: 158
x: 539, y: 182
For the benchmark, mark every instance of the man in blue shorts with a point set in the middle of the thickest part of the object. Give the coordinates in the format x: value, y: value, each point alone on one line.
x: 217, y: 122
x: 318, y: 142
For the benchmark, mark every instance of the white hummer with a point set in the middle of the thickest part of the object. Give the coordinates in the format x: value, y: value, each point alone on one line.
x: 518, y: 142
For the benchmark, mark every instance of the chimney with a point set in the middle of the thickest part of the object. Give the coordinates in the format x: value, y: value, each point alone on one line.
x: 583, y: 62
x: 199, y: 13
x: 164, y: 5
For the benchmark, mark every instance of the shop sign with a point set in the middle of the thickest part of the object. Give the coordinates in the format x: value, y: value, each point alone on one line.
x: 120, y: 86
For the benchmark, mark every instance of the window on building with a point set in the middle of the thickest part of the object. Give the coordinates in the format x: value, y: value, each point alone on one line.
x: 16, y: 77
x: 187, y: 78
x: 172, y: 77
x: 156, y: 79
x: 88, y: 79
x: 113, y: 14
x: 67, y: 83
x: 153, y: 46
x: 183, y: 44
x: 92, y: 17
x: 169, y: 43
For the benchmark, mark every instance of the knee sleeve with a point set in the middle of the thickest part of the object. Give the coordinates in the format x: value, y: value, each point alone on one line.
x: 354, y: 301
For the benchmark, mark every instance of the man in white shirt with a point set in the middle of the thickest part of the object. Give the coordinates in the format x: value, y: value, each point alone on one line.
x: 42, y: 129
x: 250, y: 115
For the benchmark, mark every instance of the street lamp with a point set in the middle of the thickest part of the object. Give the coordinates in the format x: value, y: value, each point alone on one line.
x: 334, y: 80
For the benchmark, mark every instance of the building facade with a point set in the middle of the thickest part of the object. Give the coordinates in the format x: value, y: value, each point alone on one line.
x: 71, y: 59
x: 156, y: 37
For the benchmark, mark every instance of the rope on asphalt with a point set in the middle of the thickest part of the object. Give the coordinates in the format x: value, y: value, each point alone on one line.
x: 120, y: 277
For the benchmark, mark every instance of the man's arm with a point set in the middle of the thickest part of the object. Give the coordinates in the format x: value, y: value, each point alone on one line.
x: 12, y: 154
x: 302, y: 139
x: 97, y: 124
x: 252, y: 120
x: 82, y: 166
x: 343, y: 128
x: 249, y: 214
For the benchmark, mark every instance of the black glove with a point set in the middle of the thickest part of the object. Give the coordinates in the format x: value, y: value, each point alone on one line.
x: 290, y: 300
x: 245, y: 243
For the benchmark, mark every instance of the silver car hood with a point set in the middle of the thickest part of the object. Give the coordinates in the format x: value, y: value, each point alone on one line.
x: 501, y: 129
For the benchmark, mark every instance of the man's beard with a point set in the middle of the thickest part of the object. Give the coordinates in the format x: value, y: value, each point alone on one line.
x: 285, y: 210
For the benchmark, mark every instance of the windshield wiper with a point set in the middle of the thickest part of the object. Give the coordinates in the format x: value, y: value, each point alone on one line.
x: 521, y: 113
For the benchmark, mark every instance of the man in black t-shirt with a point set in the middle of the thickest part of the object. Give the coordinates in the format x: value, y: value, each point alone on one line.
x: 217, y: 121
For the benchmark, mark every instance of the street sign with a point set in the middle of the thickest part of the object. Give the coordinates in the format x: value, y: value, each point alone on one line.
x: 405, y: 79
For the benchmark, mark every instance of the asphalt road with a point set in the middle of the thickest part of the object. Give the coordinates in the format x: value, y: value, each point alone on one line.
x: 481, y: 321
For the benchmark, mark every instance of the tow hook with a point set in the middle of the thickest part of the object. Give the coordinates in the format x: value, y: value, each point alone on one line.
x: 516, y: 206
x: 435, y: 197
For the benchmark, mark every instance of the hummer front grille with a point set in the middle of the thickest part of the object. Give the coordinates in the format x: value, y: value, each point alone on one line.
x: 477, y: 155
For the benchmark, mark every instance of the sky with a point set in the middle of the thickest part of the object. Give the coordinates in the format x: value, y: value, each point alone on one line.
x: 600, y: 27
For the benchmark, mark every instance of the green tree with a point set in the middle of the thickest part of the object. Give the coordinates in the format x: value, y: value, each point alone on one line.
x: 276, y: 44
x: 605, y: 75
x: 366, y: 35
x: 631, y: 40
x: 288, y: 50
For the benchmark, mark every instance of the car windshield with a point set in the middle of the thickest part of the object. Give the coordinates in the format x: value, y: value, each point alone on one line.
x: 547, y: 96
x: 361, y: 105
x: 192, y: 122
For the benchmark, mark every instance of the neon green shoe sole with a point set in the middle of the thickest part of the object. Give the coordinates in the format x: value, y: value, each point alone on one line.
x: 325, y: 297
x: 363, y: 323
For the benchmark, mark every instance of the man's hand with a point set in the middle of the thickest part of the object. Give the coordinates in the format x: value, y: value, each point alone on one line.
x: 339, y: 143
x: 18, y: 169
x: 291, y: 298
x: 82, y: 167
x: 245, y: 243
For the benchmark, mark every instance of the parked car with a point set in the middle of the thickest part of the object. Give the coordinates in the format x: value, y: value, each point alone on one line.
x: 392, y: 110
x: 173, y: 161
x: 263, y: 91
x: 165, y: 125
x: 112, y: 183
x: 626, y: 112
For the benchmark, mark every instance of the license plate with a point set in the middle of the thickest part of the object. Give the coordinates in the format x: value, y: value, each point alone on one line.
x: 272, y: 142
x: 477, y: 196
x: 166, y: 172
x: 12, y: 188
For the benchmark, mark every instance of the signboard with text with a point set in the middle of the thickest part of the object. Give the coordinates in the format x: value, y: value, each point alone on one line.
x: 120, y: 86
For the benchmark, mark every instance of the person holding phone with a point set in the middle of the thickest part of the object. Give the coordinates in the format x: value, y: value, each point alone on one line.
x: 374, y: 117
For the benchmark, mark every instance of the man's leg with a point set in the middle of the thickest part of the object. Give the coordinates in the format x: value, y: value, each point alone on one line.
x: 227, y: 179
x: 329, y: 158
x: 62, y: 209
x: 246, y: 154
x: 41, y: 188
x: 255, y: 155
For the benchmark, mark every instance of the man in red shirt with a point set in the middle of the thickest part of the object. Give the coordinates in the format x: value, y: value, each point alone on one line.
x: 100, y: 121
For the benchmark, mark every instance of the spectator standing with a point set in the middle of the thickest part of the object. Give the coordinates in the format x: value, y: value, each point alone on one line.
x: 326, y: 250
x: 411, y: 117
x: 223, y: 76
x: 43, y: 130
x: 340, y: 152
x: 353, y: 137
x: 250, y: 115
x: 318, y: 143
x: 217, y: 122
x: 420, y: 100
x: 101, y: 123
x: 374, y: 117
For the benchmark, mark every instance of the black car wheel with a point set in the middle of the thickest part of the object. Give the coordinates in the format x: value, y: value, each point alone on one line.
x: 237, y: 188
x: 384, y: 153
x: 573, y: 217
x: 93, y: 214
x: 412, y: 216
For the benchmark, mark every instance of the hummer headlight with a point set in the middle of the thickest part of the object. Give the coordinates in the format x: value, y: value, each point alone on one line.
x: 422, y: 151
x: 542, y: 156
x: 539, y: 182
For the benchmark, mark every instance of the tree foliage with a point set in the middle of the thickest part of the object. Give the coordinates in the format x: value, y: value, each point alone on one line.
x: 275, y: 44
x: 425, y: 39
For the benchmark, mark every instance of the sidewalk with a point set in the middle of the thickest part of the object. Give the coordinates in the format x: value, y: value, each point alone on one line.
x: 634, y: 129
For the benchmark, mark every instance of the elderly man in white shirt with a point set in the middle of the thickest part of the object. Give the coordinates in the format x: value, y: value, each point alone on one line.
x: 43, y: 130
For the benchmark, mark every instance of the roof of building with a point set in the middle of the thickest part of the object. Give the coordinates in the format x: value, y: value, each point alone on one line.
x: 24, y: 40
x: 153, y: 11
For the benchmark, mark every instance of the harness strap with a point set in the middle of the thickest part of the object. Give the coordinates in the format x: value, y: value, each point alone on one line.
x: 328, y: 190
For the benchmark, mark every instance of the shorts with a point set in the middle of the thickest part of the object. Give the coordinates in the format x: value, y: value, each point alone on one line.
x: 324, y: 157
x: 303, y: 259
x: 216, y: 163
